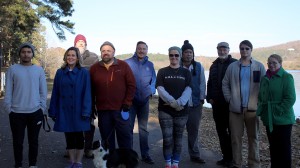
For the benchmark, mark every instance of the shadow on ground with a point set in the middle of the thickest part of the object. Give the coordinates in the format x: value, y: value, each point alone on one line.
x: 52, y: 147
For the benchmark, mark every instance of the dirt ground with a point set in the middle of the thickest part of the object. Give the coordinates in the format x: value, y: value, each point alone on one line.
x: 52, y: 145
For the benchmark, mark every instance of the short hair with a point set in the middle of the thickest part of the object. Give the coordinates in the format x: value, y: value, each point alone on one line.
x: 247, y: 43
x: 77, y: 55
x: 109, y: 44
x: 177, y: 49
x: 141, y: 42
x: 277, y: 57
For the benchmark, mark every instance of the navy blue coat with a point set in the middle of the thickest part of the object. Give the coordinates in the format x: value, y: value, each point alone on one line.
x: 71, y: 100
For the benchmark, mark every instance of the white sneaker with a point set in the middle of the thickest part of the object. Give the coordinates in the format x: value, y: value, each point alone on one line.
x: 33, y: 167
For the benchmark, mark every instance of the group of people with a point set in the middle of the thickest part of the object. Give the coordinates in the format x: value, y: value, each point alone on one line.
x: 117, y: 92
x: 242, y: 91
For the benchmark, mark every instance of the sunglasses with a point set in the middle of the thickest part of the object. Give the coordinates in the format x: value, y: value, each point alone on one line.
x: 246, y: 48
x: 272, y: 63
x: 173, y: 55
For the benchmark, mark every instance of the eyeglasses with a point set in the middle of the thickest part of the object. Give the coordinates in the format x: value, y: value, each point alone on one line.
x: 246, y: 48
x: 173, y: 55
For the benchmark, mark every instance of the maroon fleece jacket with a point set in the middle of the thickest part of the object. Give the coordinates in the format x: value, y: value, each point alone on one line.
x: 112, y: 87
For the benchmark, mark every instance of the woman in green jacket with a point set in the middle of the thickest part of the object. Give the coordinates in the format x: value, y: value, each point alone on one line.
x: 275, y: 107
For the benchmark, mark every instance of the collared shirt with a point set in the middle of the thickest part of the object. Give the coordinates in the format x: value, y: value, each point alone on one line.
x: 245, y: 84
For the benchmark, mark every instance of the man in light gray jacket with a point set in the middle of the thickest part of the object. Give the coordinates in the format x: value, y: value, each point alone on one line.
x: 240, y: 88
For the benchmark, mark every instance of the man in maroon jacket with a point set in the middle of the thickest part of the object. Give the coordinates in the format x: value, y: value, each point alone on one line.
x: 113, y: 89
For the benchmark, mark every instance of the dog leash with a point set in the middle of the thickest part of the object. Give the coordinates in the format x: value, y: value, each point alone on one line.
x: 45, y: 121
x: 106, y: 141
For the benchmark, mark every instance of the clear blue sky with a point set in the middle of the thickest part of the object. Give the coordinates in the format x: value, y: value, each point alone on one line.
x: 165, y: 23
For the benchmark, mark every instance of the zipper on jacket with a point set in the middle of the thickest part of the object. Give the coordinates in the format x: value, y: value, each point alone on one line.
x: 111, y: 77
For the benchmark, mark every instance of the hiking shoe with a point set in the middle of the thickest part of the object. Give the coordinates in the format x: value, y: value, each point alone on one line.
x: 148, y: 160
x: 174, y: 166
x: 77, y: 165
x: 197, y: 160
x: 88, y: 154
x: 70, y: 165
x: 66, y: 154
x: 224, y: 162
x: 233, y: 167
x: 167, y: 166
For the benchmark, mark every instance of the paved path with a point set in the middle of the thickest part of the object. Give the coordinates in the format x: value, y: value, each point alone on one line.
x: 52, y: 145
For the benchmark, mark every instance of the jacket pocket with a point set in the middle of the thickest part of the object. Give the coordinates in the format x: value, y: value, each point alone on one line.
x: 256, y: 76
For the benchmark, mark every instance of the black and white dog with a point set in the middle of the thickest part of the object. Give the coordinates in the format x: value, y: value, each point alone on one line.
x: 103, y: 158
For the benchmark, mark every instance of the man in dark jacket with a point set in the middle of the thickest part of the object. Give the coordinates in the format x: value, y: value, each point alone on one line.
x: 216, y: 99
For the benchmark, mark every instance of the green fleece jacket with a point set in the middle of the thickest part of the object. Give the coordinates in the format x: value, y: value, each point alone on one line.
x: 276, y: 99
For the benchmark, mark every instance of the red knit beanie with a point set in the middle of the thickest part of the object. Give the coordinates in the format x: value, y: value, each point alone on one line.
x: 79, y: 37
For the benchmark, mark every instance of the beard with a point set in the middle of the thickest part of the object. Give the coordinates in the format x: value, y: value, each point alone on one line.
x: 25, y: 60
x: 222, y: 56
x: 107, y: 60
x: 81, y: 50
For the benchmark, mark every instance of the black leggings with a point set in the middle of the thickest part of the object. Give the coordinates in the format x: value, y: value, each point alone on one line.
x: 75, y: 140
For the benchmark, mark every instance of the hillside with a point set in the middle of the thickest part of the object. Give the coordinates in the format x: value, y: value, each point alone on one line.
x: 290, y: 53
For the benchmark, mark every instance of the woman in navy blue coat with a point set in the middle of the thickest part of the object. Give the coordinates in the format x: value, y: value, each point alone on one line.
x: 70, y: 105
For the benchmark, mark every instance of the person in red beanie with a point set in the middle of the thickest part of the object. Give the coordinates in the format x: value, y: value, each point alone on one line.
x: 86, y: 60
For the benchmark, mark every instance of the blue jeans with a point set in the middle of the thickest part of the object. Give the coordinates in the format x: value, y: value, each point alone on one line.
x: 142, y: 113
x: 172, y: 128
x: 110, y: 123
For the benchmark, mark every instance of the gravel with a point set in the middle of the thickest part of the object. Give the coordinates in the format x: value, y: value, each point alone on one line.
x: 209, y: 138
